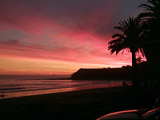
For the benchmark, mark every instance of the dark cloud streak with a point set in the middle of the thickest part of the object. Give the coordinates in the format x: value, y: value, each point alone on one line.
x: 94, y: 16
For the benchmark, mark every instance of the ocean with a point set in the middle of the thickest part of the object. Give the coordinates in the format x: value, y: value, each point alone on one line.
x: 24, y: 85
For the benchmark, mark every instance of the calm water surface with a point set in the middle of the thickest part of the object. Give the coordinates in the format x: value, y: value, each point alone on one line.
x: 18, y: 86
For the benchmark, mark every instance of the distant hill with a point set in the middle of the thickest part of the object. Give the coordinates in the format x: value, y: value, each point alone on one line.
x: 123, y: 73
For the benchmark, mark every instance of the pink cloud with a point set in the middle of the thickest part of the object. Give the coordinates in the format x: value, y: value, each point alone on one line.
x: 37, y: 19
x: 78, y: 55
x: 76, y: 31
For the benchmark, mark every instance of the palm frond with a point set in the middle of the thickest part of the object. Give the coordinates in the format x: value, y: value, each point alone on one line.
x: 117, y: 35
x: 141, y: 50
x: 123, y: 25
x: 126, y: 24
x: 123, y: 50
x: 151, y: 17
x: 153, y: 10
x: 115, y: 41
x: 147, y: 7
x: 154, y: 2
x: 119, y: 28
x: 116, y: 48
x: 148, y: 15
x: 131, y: 29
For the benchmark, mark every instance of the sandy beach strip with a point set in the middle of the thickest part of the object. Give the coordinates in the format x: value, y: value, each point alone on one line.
x: 83, y: 104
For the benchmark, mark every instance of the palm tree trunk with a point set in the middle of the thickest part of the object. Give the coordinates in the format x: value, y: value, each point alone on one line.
x: 135, y: 78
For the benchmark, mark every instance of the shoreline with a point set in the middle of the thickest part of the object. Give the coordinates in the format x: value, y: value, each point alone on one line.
x: 52, y: 91
x: 84, y: 104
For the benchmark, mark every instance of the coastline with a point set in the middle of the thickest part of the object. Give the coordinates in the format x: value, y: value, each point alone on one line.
x: 25, y: 88
x: 84, y: 104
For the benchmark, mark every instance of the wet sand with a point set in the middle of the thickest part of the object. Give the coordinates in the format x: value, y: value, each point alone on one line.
x: 84, y: 104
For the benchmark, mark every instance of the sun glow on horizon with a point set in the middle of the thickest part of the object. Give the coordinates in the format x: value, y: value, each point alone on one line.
x: 30, y: 66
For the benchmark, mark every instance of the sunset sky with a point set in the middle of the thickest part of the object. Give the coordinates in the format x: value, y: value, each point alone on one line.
x: 61, y: 36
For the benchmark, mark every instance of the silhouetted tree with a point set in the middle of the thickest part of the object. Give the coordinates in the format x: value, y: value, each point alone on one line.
x: 132, y: 31
x: 151, y: 16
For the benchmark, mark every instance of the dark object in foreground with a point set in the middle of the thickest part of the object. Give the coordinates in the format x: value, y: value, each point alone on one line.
x: 153, y: 114
x: 133, y: 114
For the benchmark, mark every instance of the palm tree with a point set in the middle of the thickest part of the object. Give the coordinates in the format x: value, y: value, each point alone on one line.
x: 132, y: 31
x: 152, y: 18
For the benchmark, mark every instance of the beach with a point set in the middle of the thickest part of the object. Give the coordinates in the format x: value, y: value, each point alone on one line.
x: 83, y: 104
x: 19, y: 86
